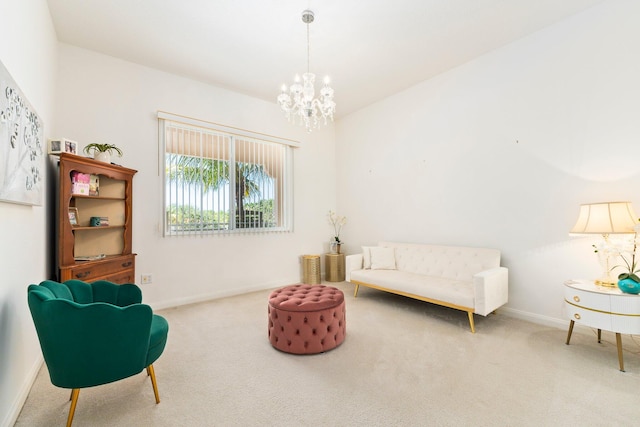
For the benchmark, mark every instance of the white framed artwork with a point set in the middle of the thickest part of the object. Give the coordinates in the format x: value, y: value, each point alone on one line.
x: 21, y: 146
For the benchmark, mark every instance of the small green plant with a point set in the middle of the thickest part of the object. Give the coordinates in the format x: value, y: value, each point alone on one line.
x: 337, y: 221
x: 102, y: 148
x: 631, y: 268
x: 632, y: 265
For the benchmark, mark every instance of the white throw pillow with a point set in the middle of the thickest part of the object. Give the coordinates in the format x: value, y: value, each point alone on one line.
x: 382, y: 258
x: 366, y: 257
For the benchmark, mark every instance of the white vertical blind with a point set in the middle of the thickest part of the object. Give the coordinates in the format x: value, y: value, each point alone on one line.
x: 217, y: 182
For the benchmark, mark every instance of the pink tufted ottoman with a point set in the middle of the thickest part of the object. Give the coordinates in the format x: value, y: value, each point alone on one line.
x: 307, y: 319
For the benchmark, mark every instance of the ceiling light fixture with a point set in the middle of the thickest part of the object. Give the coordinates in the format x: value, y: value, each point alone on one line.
x: 300, y: 101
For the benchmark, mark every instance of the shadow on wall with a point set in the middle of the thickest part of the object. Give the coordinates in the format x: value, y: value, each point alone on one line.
x: 5, y: 343
x: 52, y: 206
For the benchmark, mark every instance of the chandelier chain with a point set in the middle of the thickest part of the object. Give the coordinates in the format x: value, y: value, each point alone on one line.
x: 308, y: 50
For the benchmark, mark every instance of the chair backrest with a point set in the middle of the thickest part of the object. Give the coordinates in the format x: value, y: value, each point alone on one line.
x: 99, y: 291
x: 90, y: 334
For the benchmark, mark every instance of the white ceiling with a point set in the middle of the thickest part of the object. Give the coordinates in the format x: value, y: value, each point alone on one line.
x: 370, y: 48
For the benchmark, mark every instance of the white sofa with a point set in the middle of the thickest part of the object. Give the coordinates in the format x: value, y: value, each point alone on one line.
x: 464, y: 278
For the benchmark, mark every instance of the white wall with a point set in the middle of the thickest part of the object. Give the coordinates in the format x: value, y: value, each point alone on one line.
x: 28, y: 51
x: 501, y: 151
x: 103, y: 99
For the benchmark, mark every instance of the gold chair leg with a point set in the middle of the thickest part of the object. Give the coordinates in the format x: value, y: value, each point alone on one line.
x: 570, y: 331
x: 152, y: 374
x: 473, y: 327
x: 355, y: 292
x: 148, y: 373
x: 74, y: 401
x: 619, y: 345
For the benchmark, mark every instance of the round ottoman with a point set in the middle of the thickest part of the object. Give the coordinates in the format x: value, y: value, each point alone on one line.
x: 307, y: 319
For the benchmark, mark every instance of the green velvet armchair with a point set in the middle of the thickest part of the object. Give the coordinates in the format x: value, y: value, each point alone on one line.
x: 95, y: 333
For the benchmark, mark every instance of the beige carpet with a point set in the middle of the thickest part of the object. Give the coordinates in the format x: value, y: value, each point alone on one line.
x: 403, y: 363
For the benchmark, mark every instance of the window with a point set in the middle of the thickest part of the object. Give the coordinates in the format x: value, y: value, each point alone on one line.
x: 223, y: 180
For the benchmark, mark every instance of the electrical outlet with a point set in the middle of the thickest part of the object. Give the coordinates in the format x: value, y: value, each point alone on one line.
x: 146, y: 279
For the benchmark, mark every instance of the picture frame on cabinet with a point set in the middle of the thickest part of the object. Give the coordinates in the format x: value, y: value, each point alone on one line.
x: 73, y: 216
x: 62, y: 145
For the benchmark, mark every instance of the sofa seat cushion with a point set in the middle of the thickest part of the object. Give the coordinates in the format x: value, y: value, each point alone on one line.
x: 452, y: 291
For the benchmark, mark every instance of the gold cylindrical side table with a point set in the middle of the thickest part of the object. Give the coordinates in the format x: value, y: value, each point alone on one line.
x: 311, y: 269
x: 334, y: 267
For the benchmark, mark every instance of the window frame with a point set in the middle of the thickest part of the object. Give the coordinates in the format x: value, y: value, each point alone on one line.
x: 236, y: 136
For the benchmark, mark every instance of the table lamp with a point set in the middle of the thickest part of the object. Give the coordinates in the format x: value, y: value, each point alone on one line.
x: 606, y: 218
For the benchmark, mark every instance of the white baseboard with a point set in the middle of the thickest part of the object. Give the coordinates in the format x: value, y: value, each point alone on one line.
x: 12, y: 416
x: 546, y: 320
x: 177, y: 302
x: 535, y: 318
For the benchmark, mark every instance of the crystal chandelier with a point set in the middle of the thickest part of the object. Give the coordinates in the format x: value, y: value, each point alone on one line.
x: 300, y: 101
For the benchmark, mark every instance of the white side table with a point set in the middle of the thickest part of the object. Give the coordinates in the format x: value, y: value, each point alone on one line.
x: 602, y: 307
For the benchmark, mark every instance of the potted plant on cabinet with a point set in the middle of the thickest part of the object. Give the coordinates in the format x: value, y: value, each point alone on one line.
x: 102, y: 152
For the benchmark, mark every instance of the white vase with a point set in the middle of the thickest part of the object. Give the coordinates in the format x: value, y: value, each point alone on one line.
x: 102, y: 156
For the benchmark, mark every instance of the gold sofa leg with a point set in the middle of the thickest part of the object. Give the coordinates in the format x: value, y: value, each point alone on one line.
x: 152, y: 374
x: 355, y: 293
x: 473, y: 328
x: 74, y: 401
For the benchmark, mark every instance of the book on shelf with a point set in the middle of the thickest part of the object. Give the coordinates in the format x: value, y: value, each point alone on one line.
x: 94, y: 185
x: 99, y: 221
x: 90, y: 257
x: 80, y: 183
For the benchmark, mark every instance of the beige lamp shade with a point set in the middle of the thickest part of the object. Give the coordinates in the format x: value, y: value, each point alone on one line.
x: 606, y: 218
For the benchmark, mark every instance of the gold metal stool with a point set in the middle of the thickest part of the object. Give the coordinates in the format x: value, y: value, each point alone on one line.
x: 334, y: 267
x: 311, y: 269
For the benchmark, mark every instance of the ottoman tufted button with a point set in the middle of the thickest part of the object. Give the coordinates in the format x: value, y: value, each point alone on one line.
x: 314, y: 314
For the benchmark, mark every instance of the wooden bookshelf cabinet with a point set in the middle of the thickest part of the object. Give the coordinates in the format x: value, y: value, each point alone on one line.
x: 108, y: 247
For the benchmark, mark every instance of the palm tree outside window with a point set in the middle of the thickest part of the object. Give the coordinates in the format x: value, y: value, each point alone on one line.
x: 218, y: 182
